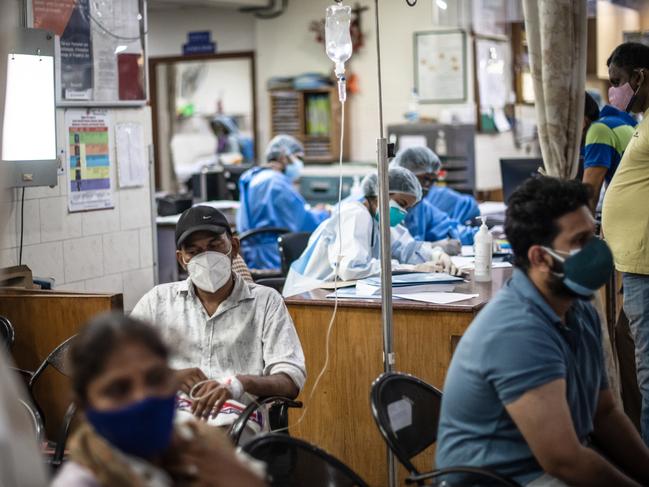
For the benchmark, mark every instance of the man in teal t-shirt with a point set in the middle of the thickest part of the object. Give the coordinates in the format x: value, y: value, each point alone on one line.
x: 526, y: 389
x: 608, y: 134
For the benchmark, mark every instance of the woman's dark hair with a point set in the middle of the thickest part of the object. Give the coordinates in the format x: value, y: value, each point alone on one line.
x: 591, y: 109
x: 630, y: 56
x: 100, y: 337
x: 533, y: 210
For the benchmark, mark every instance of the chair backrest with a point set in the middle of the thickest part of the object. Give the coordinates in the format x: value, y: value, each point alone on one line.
x: 277, y: 283
x: 291, y: 246
x: 406, y: 410
x: 56, y: 359
x: 291, y: 462
x: 263, y: 231
x: 7, y: 333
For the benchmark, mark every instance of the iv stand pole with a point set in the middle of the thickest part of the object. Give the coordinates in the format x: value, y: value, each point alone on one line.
x: 386, y: 254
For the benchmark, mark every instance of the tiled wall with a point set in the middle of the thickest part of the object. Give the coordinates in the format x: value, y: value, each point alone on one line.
x: 96, y: 251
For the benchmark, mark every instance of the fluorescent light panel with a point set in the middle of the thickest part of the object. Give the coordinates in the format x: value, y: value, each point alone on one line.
x: 29, y: 131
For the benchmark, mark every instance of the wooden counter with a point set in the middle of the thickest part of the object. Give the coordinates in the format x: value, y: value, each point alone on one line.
x: 339, y: 418
x: 42, y: 320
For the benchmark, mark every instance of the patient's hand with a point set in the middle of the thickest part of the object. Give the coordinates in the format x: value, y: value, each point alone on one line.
x: 188, y: 378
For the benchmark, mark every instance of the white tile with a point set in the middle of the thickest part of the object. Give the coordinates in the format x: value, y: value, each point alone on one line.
x: 72, y: 287
x: 135, y: 208
x: 32, y: 232
x: 83, y: 258
x: 136, y: 285
x: 41, y: 192
x: 111, y: 284
x: 8, y: 257
x: 56, y: 222
x: 45, y: 260
x: 100, y: 221
x: 146, y: 248
x: 122, y: 251
x: 63, y: 184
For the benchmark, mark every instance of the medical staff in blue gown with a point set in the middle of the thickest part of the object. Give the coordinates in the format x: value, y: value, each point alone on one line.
x: 269, y: 199
x: 347, y: 244
x: 461, y: 207
x: 458, y: 206
x: 425, y: 221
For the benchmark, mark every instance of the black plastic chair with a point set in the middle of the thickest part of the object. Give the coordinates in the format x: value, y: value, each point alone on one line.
x: 291, y: 246
x: 7, y: 333
x: 249, y: 237
x: 277, y: 283
x: 291, y: 462
x: 277, y: 415
x: 411, y: 436
x: 57, y: 359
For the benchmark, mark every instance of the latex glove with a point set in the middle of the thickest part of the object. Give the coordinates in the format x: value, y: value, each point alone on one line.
x: 441, y: 262
x: 449, y: 245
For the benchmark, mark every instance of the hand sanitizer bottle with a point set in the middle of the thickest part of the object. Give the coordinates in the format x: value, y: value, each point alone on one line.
x: 483, y: 244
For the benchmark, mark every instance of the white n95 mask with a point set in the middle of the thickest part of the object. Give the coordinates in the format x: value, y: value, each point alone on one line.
x: 210, y: 271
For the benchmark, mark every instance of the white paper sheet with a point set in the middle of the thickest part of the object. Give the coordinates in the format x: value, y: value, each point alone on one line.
x: 437, y: 298
x: 365, y: 289
x: 131, y: 155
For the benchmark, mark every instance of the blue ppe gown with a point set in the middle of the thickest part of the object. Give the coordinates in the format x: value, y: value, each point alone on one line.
x: 460, y: 207
x: 268, y: 199
x: 428, y: 224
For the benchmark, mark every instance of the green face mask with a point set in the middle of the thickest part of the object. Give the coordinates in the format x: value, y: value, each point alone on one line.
x: 397, y: 214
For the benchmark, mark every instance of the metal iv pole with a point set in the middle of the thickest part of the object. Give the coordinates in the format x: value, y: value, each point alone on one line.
x: 384, y: 227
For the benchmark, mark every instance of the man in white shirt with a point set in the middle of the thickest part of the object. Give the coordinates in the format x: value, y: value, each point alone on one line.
x: 236, y: 334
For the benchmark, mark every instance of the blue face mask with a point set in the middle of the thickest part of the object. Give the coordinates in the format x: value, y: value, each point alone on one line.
x: 142, y: 429
x: 294, y: 170
x: 397, y: 214
x: 587, y: 269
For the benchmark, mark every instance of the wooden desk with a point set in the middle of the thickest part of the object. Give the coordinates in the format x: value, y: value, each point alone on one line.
x: 43, y: 320
x: 339, y: 417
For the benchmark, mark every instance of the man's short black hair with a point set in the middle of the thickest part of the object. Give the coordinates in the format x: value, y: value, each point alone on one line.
x: 534, y: 208
x: 591, y: 109
x: 630, y: 56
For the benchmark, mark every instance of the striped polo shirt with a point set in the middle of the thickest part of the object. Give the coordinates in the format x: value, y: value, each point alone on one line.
x: 607, y: 139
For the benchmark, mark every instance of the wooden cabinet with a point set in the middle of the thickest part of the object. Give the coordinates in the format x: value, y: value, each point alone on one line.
x: 313, y: 117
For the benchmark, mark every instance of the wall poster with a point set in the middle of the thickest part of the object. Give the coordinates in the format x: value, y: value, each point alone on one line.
x: 101, y: 58
x: 89, y: 152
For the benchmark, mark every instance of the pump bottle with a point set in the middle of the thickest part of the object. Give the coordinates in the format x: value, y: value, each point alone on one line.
x: 483, y: 244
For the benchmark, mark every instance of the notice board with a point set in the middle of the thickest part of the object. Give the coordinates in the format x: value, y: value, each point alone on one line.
x: 101, y: 49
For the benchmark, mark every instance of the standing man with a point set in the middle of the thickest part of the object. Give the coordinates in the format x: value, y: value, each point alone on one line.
x: 607, y: 133
x: 625, y: 218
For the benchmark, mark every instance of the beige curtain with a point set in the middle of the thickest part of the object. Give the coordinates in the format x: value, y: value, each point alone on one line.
x: 556, y: 38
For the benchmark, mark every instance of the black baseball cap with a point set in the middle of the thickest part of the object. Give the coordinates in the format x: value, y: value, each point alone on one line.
x: 200, y: 218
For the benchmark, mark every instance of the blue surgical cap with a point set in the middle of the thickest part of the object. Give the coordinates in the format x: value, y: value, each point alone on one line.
x: 283, y: 145
x: 420, y: 160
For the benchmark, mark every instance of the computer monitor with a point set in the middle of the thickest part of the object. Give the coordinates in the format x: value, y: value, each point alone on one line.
x: 515, y: 171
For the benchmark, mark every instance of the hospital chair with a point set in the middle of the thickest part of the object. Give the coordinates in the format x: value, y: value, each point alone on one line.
x: 290, y: 246
x: 291, y: 462
x: 409, y: 440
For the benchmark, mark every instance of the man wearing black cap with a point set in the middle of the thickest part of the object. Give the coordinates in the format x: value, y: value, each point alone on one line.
x: 237, y: 339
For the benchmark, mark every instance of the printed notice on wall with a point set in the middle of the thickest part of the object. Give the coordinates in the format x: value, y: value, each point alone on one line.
x: 70, y: 20
x: 89, y: 152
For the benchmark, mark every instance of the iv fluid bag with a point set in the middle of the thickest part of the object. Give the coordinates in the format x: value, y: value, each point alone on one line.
x: 338, y: 40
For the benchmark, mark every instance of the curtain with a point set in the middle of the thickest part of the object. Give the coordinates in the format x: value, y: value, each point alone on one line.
x: 556, y: 38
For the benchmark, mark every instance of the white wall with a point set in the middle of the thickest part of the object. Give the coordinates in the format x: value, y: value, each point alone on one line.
x: 286, y: 47
x: 97, y: 251
x: 232, y: 31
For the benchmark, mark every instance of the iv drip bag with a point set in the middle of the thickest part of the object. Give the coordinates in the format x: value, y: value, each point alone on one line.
x: 338, y: 40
